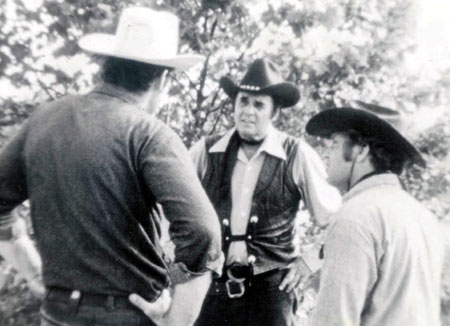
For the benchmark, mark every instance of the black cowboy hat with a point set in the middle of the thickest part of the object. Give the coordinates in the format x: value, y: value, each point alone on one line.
x: 263, y: 77
x: 371, y: 121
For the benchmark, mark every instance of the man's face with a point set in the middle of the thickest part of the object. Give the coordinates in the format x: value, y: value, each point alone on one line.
x: 337, y: 161
x: 253, y: 115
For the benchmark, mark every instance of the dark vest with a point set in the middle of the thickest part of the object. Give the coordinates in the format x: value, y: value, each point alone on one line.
x: 275, y: 202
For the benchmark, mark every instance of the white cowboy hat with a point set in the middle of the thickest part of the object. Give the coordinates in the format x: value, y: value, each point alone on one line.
x: 143, y: 35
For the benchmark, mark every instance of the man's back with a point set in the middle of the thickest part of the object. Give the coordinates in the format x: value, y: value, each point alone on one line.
x: 95, y: 167
x: 399, y: 255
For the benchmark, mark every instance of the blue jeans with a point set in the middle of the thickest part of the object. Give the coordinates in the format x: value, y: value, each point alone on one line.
x: 56, y: 313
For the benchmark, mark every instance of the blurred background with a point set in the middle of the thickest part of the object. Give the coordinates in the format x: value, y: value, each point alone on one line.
x: 394, y: 53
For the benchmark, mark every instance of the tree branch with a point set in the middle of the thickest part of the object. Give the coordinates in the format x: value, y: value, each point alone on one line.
x: 200, y: 97
x: 220, y: 108
x: 250, y: 43
x: 45, y: 88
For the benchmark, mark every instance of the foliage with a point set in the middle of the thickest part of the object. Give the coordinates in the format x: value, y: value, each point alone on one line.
x: 335, y: 51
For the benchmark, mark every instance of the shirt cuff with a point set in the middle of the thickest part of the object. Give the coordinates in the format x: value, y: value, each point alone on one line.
x: 180, y: 273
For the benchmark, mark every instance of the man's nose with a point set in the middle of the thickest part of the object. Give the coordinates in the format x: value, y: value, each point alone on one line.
x: 249, y: 110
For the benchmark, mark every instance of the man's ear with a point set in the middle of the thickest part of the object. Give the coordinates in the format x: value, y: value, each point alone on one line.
x: 160, y: 83
x: 363, y: 152
x: 163, y: 82
x: 276, y: 112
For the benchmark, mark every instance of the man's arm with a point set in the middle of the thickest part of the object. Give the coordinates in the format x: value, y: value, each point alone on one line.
x: 322, y: 200
x: 199, y: 157
x: 194, y: 226
x: 15, y: 246
x: 348, y: 275
x: 19, y: 251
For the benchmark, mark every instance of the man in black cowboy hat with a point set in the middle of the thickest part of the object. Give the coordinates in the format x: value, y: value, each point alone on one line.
x: 256, y: 177
x: 383, y: 253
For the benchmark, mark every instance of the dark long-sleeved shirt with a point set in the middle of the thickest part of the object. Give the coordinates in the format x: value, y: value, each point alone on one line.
x: 94, y: 167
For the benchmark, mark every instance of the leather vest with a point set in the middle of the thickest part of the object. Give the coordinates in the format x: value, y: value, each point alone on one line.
x: 275, y: 202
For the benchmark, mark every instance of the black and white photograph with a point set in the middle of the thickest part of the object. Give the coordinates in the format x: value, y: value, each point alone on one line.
x: 224, y: 163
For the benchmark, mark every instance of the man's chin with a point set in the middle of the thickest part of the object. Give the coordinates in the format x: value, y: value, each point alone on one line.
x: 247, y: 135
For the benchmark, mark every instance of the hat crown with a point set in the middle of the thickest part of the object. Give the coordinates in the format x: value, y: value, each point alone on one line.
x: 148, y: 32
x: 143, y: 35
x: 395, y: 118
x: 262, y: 73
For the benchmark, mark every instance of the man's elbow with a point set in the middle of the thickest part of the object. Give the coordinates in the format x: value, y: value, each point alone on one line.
x: 205, y: 252
x: 208, y: 237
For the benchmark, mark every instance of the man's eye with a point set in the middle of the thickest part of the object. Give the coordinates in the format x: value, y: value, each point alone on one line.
x: 259, y: 105
x: 244, y: 100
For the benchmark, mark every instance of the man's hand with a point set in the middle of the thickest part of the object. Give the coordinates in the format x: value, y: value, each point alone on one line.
x: 298, y: 271
x: 184, y: 306
x: 37, y: 287
x: 154, y: 310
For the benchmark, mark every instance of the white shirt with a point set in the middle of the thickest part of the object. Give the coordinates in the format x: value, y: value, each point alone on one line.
x: 308, y: 171
x: 383, y: 260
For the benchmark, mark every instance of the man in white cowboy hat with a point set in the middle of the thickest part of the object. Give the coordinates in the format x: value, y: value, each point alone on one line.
x: 383, y: 253
x: 94, y: 168
x: 256, y: 177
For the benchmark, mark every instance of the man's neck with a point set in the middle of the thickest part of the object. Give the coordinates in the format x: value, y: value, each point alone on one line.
x: 250, y: 146
x: 250, y: 150
x: 360, y: 174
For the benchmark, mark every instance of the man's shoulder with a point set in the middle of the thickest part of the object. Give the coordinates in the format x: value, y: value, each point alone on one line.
x: 212, y: 139
x: 377, y: 203
x: 218, y: 142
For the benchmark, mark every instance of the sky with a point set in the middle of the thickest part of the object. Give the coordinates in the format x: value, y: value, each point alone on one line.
x: 433, y: 33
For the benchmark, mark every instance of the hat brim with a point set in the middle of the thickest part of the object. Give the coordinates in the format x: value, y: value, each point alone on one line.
x: 285, y: 94
x: 327, y: 122
x: 105, y: 44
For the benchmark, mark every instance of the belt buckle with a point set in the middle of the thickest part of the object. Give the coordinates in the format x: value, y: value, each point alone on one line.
x: 237, y: 294
x: 234, y: 280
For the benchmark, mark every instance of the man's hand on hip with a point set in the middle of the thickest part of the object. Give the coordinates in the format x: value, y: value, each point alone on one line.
x: 184, y: 306
x: 154, y: 310
x: 297, y: 272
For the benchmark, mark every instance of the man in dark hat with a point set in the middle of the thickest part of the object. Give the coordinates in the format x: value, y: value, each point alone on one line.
x: 96, y: 168
x: 256, y: 177
x: 383, y: 253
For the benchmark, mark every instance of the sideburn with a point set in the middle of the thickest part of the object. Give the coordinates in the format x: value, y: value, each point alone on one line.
x: 348, y: 149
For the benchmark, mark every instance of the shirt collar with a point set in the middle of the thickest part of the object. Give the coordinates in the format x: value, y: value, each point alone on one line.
x: 272, y: 144
x: 373, y: 181
x: 118, y: 92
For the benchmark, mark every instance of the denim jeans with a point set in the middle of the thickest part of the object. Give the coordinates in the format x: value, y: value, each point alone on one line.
x: 56, y: 313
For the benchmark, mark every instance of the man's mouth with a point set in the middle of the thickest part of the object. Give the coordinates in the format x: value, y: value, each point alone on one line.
x: 247, y: 122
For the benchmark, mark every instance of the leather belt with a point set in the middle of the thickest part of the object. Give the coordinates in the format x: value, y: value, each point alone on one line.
x: 77, y: 298
x: 234, y: 282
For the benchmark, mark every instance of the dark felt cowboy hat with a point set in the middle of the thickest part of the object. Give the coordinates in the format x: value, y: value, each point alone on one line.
x: 370, y: 120
x: 263, y: 77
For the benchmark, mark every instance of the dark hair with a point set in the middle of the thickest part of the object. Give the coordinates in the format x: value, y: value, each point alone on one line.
x: 131, y: 75
x: 383, y: 156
